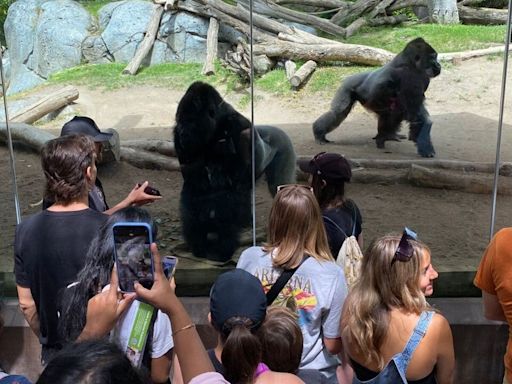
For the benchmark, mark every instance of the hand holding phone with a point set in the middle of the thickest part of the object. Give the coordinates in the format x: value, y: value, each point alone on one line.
x: 150, y: 190
x: 134, y: 261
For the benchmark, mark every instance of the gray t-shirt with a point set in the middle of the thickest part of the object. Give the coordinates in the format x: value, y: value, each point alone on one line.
x: 316, y: 292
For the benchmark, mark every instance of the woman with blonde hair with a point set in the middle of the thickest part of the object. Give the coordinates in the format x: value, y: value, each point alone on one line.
x: 297, y: 245
x: 389, y: 331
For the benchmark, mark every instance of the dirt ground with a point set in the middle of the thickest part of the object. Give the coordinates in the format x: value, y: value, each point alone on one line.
x: 463, y: 102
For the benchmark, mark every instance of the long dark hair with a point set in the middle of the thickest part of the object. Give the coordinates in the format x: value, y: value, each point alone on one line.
x: 329, y: 195
x: 95, y: 274
x: 93, y: 361
x: 241, y: 350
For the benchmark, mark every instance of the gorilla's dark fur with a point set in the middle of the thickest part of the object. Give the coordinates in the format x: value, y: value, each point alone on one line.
x: 394, y: 92
x: 213, y: 144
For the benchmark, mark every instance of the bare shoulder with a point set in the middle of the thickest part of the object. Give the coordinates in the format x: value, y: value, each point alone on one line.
x: 270, y: 377
x: 439, y: 328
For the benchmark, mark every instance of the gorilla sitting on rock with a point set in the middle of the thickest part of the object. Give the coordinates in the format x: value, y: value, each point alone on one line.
x: 213, y: 144
x: 394, y: 92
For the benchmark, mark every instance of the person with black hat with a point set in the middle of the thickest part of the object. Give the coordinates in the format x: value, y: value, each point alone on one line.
x: 342, y: 217
x: 86, y: 126
x: 238, y: 307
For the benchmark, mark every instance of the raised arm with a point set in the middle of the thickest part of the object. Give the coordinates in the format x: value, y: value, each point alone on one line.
x: 188, y: 347
x: 137, y: 196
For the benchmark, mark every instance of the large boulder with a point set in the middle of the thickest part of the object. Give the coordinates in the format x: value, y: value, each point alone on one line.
x: 127, y: 24
x: 44, y: 37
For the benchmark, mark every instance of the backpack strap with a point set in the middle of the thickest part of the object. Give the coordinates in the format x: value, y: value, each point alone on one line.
x: 336, y: 225
x: 417, y: 335
x: 354, y: 219
x: 281, y: 281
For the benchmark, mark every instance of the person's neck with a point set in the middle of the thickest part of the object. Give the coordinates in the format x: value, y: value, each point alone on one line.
x: 218, y: 349
x: 77, y: 205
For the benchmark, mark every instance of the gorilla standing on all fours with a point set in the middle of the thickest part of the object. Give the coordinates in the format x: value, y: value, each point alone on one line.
x: 213, y: 144
x: 394, y: 92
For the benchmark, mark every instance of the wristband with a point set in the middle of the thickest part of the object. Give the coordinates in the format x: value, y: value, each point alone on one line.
x: 189, y: 326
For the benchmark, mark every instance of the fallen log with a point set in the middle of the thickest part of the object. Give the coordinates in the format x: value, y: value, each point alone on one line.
x: 147, y: 42
x: 401, y: 4
x: 355, y: 26
x: 357, y: 9
x: 211, y: 47
x: 329, y: 4
x: 163, y: 147
x: 47, y: 104
x: 453, y: 165
x: 290, y: 68
x: 457, y: 56
x: 430, y: 178
x: 31, y: 136
x: 388, y: 20
x: 149, y: 160
x: 482, y: 16
x: 323, y: 52
x: 271, y: 9
x: 303, y: 73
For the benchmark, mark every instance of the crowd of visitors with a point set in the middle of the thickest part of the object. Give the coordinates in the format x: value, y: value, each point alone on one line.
x: 284, y: 315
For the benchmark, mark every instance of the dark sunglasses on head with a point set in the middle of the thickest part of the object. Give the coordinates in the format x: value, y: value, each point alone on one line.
x: 405, y: 250
x: 284, y: 186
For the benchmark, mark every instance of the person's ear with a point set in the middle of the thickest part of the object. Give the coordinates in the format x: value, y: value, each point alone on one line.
x: 88, y: 173
x: 210, y: 318
x: 324, y: 183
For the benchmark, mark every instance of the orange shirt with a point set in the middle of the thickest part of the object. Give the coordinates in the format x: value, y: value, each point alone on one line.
x: 494, y: 276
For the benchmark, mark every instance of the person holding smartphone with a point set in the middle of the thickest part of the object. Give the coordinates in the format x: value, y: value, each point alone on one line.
x: 137, y: 196
x: 95, y: 277
x: 49, y: 247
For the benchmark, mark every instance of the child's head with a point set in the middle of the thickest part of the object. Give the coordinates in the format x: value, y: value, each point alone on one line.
x: 281, y: 340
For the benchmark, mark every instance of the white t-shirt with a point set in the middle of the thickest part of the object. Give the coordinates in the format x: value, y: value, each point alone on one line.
x: 316, y: 292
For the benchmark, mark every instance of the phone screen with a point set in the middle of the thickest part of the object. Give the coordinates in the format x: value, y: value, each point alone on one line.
x: 133, y: 256
x: 169, y: 266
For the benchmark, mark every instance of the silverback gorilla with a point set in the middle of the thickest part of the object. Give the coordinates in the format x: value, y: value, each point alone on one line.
x: 213, y: 144
x: 394, y: 92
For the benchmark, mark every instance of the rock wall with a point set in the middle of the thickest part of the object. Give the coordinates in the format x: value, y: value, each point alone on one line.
x: 44, y: 37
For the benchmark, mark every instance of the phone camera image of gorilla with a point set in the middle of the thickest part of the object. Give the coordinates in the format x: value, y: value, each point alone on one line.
x: 395, y: 92
x: 213, y: 145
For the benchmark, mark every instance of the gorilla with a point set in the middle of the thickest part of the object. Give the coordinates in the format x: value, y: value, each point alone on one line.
x: 394, y: 92
x: 213, y: 145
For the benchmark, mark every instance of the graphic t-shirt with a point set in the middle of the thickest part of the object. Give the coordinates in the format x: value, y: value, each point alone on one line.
x: 316, y: 292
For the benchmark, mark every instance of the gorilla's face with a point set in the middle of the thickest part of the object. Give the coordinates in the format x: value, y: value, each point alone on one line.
x: 423, y: 57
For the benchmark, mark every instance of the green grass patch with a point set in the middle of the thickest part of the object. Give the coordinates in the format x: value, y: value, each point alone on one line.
x: 110, y: 77
x: 444, y: 38
x: 93, y: 6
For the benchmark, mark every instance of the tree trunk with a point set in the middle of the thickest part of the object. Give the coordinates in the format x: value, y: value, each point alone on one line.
x: 401, y: 4
x: 320, y: 53
x: 149, y: 160
x: 50, y: 103
x: 357, y: 9
x: 32, y: 137
x: 268, y: 8
x: 211, y: 47
x: 328, y: 4
x: 147, y: 42
x: 482, y: 16
x: 443, y: 11
x: 163, y: 147
x: 290, y: 67
x: 303, y: 73
x: 470, y: 54
x: 424, y: 177
x: 388, y: 20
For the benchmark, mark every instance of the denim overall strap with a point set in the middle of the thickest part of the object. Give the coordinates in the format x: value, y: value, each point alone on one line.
x: 419, y: 331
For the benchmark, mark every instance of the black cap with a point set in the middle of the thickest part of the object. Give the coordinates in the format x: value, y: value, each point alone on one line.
x: 237, y: 293
x: 331, y: 167
x: 86, y: 126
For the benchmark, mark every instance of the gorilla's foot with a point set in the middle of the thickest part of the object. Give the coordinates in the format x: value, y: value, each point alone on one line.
x: 426, y: 150
x: 322, y: 140
x: 379, y: 141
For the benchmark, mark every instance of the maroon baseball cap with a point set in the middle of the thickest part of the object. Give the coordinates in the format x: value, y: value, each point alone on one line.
x: 86, y: 126
x: 331, y: 167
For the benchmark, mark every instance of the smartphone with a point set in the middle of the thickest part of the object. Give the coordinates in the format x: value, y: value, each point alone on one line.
x: 150, y: 190
x: 134, y: 261
x: 169, y: 266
